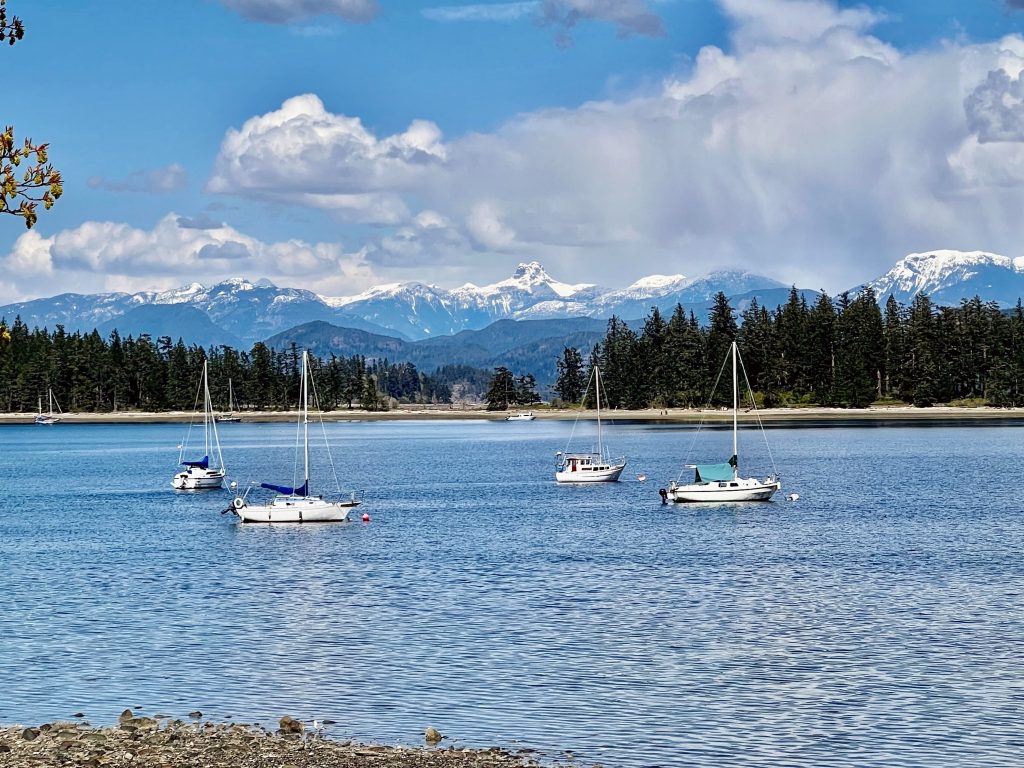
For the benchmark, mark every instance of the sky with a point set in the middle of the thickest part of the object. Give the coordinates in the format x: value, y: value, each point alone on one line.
x: 336, y: 145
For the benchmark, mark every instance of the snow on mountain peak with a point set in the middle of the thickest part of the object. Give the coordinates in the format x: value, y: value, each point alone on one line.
x: 530, y: 276
x: 658, y: 283
x: 925, y: 271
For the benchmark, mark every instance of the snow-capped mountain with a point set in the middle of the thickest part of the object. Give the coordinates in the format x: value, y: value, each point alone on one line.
x: 253, y: 311
x: 950, y: 276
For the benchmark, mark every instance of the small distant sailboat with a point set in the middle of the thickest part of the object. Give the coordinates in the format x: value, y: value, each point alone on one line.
x: 230, y: 417
x: 295, y: 504
x: 201, y: 475
x: 722, y: 482
x: 593, y: 466
x: 49, y: 417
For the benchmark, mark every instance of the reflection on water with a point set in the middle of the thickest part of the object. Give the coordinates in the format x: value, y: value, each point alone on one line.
x: 877, y: 621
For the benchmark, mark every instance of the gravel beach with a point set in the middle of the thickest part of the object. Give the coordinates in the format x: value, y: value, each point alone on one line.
x: 157, y: 742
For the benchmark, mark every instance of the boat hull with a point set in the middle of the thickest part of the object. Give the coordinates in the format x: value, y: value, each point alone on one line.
x: 714, y: 492
x: 294, y: 509
x: 201, y: 480
x: 587, y: 475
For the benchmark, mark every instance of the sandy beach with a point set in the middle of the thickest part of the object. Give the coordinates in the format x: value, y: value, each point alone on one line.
x: 775, y: 416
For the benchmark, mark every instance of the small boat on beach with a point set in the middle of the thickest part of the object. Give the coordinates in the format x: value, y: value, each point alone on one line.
x: 295, y: 503
x: 524, y: 416
x: 591, y: 466
x: 201, y: 475
x: 721, y: 482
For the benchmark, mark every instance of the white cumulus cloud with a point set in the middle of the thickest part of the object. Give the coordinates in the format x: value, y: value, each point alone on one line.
x: 106, y: 255
x: 303, y: 154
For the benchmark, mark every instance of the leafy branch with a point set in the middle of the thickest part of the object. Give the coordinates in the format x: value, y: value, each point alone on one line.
x: 39, y: 182
x: 12, y: 31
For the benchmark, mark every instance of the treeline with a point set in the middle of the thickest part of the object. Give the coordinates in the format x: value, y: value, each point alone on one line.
x: 89, y: 373
x: 844, y: 352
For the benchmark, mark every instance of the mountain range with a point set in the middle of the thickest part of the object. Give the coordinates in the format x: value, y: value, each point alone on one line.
x: 238, y: 312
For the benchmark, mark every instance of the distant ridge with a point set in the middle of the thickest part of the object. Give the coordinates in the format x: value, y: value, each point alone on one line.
x: 241, y: 312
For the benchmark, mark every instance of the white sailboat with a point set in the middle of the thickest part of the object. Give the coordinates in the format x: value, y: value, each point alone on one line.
x: 49, y: 417
x: 295, y: 504
x: 593, y: 466
x: 202, y: 475
x: 722, y: 482
x: 230, y: 417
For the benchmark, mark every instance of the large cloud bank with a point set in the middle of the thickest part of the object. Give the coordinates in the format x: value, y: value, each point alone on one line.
x: 810, y: 148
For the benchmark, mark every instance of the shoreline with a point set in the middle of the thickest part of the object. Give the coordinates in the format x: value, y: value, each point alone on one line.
x: 141, y: 742
x: 774, y: 416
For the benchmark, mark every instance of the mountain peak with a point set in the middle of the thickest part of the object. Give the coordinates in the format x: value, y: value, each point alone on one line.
x: 532, y: 273
x: 948, y: 276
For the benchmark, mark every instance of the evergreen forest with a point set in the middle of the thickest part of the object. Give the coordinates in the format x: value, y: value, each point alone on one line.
x: 89, y: 373
x: 845, y: 352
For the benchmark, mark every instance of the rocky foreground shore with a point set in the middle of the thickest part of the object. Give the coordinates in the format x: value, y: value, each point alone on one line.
x: 155, y: 742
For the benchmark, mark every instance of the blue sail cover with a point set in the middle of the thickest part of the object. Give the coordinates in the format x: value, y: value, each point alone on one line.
x: 203, y: 463
x: 302, y: 490
x: 710, y: 473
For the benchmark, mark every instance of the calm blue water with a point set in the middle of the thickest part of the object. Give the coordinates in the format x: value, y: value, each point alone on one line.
x: 878, y: 621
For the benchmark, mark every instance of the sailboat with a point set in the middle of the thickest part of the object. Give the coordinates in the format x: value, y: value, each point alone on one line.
x: 592, y: 467
x: 201, y: 475
x: 229, y: 417
x: 49, y: 417
x: 295, y: 503
x: 722, y: 482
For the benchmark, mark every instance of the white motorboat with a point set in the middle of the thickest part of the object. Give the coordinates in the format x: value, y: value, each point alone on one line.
x: 592, y: 466
x: 202, y: 475
x: 230, y: 417
x: 524, y: 416
x: 721, y: 482
x: 295, y: 503
x: 50, y: 417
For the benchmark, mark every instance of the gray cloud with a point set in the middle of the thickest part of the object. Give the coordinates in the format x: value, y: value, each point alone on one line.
x: 501, y: 12
x: 287, y: 11
x: 1015, y: 5
x: 155, y: 181
x: 202, y: 221
x: 995, y: 108
x: 630, y: 17
x: 231, y: 250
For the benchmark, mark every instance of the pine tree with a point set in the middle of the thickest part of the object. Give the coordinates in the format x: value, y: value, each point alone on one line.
x: 501, y: 390
x: 570, y: 384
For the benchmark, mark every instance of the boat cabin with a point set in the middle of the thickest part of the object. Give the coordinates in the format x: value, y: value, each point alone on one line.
x: 582, y: 462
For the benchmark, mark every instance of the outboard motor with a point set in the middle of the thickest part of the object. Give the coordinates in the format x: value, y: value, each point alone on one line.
x: 664, y: 495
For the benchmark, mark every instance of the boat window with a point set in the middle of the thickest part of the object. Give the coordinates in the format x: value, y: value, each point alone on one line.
x: 734, y: 485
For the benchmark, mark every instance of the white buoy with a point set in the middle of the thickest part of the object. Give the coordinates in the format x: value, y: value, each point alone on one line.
x: 793, y: 497
x: 641, y: 478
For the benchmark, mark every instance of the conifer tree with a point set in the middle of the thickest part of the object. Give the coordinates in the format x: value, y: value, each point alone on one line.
x: 501, y: 391
x: 570, y: 384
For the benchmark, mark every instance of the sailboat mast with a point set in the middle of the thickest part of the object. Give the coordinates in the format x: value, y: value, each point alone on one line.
x: 735, y: 408
x: 305, y: 416
x: 206, y: 410
x: 597, y: 386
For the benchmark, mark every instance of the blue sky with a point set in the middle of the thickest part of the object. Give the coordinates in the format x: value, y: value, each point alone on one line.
x: 814, y: 141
